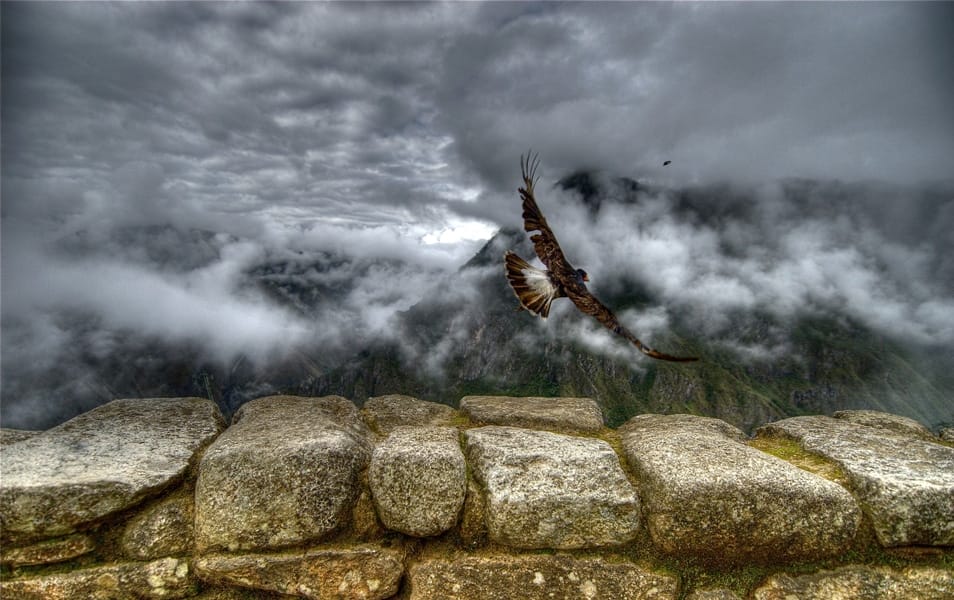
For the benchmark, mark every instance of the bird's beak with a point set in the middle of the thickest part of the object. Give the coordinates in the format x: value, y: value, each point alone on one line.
x: 586, y: 278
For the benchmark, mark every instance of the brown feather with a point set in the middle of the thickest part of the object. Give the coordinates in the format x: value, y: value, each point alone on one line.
x: 545, y: 243
x: 531, y: 285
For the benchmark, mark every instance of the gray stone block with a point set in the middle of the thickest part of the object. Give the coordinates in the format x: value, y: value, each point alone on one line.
x: 100, y: 462
x: 548, y: 490
x: 861, y: 583
x: 360, y: 572
x: 905, y: 485
x: 286, y: 472
x: 536, y: 578
x: 706, y: 494
x: 556, y: 414
x: 386, y: 413
x: 163, y: 579
x: 418, y: 479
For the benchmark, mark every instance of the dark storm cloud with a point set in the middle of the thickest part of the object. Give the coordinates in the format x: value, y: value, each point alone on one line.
x: 157, y: 153
x: 729, y: 91
x: 782, y: 250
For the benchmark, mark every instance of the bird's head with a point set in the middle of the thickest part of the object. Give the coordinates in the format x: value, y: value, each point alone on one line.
x: 581, y: 275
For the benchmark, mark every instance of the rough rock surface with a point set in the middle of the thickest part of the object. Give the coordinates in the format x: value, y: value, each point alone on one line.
x: 286, y: 472
x: 557, y: 414
x: 418, y: 479
x: 705, y: 494
x: 354, y: 572
x: 385, y: 413
x: 12, y: 436
x: 946, y: 434
x: 883, y: 420
x: 166, y: 578
x: 535, y: 577
x: 165, y: 529
x: 713, y: 594
x: 861, y: 583
x: 905, y: 485
x: 233, y: 593
x: 548, y: 490
x: 100, y: 462
x: 48, y: 551
x: 473, y: 519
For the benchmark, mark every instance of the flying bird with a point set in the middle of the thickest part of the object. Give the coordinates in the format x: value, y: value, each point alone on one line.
x: 537, y: 288
x: 667, y: 163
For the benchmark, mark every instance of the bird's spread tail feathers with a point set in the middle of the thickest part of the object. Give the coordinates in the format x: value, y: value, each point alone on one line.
x: 531, y: 285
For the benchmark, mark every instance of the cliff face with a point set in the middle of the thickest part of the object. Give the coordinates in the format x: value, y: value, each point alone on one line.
x: 504, y: 498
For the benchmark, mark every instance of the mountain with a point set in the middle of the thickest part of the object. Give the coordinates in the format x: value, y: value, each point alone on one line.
x: 833, y: 364
x: 467, y: 335
x: 829, y: 360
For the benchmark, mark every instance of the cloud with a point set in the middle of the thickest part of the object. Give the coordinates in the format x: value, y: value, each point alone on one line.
x: 727, y: 91
x: 788, y: 251
x: 160, y: 156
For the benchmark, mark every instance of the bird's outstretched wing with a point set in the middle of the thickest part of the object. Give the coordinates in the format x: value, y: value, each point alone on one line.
x: 588, y: 304
x: 545, y: 243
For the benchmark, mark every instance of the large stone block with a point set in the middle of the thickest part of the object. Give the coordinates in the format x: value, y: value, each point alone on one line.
x: 535, y: 578
x: 888, y: 421
x: 905, y: 485
x: 707, y: 495
x: 99, y: 463
x: 361, y: 572
x: 418, y: 479
x: 286, y: 472
x: 556, y: 414
x: 386, y: 413
x: 167, y: 528
x: 548, y: 490
x: 48, y: 551
x: 12, y: 436
x: 861, y: 583
x: 167, y: 578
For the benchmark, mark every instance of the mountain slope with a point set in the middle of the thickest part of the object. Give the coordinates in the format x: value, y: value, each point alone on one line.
x: 819, y: 359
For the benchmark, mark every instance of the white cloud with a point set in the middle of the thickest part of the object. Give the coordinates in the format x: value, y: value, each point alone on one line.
x: 155, y: 152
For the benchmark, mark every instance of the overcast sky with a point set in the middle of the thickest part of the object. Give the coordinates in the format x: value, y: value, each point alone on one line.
x: 394, y: 130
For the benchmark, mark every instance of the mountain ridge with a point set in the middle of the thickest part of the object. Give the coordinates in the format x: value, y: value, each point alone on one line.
x: 467, y: 335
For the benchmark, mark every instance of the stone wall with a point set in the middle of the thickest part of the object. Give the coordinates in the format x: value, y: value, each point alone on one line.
x: 504, y: 498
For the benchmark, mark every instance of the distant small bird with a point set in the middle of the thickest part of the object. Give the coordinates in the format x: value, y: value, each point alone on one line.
x: 667, y: 163
x: 537, y: 288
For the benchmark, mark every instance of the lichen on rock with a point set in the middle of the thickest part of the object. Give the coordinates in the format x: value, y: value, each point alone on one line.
x: 100, y: 462
x: 285, y: 473
x: 418, y: 479
x: 359, y: 572
x: 858, y: 582
x: 708, y: 495
x: 549, y: 490
x: 166, y: 578
x: 905, y: 485
x: 531, y: 577
x: 552, y: 414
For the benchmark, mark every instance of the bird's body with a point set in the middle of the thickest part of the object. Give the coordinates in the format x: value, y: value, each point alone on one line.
x: 538, y: 288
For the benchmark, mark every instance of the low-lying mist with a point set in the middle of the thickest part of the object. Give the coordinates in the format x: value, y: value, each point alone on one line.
x: 83, y: 302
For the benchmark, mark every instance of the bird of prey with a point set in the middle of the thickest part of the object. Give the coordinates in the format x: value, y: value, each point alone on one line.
x: 537, y: 288
x: 667, y: 163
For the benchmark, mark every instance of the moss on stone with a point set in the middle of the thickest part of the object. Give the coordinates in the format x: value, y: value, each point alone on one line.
x: 792, y: 452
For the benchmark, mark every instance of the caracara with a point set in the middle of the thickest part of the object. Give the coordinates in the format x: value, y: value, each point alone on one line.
x: 537, y: 288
